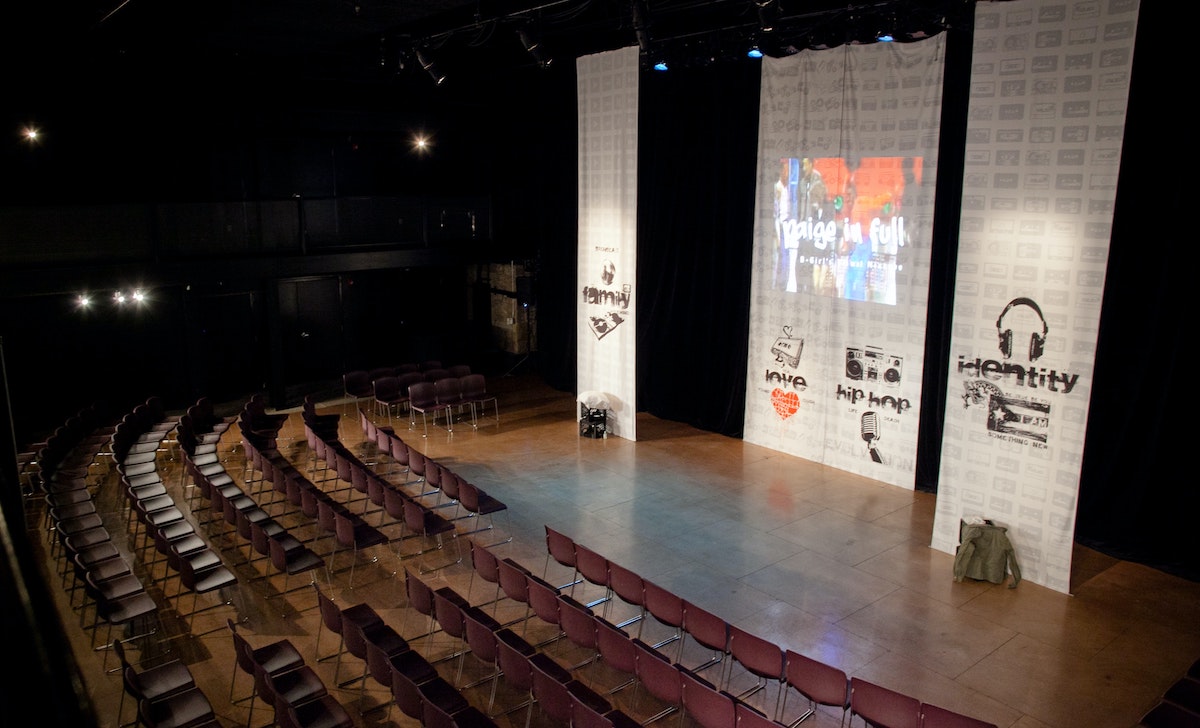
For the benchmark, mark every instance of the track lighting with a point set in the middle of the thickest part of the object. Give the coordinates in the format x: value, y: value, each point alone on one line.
x: 534, y: 47
x: 430, y: 67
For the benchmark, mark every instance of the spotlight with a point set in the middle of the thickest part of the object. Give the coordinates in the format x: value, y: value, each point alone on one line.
x: 533, y: 46
x: 84, y: 300
x: 138, y: 296
x: 119, y: 298
x: 431, y: 68
x: 768, y: 14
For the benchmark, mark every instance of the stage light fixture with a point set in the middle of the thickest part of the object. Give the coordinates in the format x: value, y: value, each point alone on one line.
x: 534, y: 47
x: 430, y: 67
x: 84, y: 300
x: 641, y: 24
x: 768, y: 14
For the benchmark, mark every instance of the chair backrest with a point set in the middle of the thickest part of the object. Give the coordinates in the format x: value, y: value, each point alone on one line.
x: 416, y: 463
x: 380, y: 372
x: 514, y: 580
x: 626, y: 584
x: 474, y: 386
x: 760, y: 656
x: 663, y: 604
x: 468, y: 495
x: 357, y: 383
x: 407, y: 379
x: 704, y: 703
x: 578, y: 622
x: 242, y: 651
x: 707, y: 628
x: 592, y: 566
x: 343, y: 527
x: 820, y: 683
x: 451, y: 483
x: 880, y: 706
x: 399, y: 451
x: 513, y: 653
x: 422, y: 395
x: 432, y: 375
x: 448, y: 608
x: 449, y: 390
x: 393, y: 503
x: 748, y: 717
x: 616, y: 647
x: 543, y: 599
x: 485, y: 563
x: 550, y: 689
x: 387, y: 388
x: 459, y: 370
x: 933, y: 716
x: 658, y: 675
x: 331, y: 613
x: 420, y: 594
x: 481, y: 629
x: 560, y: 547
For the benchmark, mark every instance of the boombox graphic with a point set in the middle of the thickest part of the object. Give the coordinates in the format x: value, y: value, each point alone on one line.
x: 873, y: 365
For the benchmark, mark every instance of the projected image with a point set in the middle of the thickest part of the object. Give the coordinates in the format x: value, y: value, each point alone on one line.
x: 839, y: 225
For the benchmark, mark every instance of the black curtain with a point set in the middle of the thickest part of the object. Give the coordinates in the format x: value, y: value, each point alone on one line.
x: 1138, y: 493
x: 697, y: 145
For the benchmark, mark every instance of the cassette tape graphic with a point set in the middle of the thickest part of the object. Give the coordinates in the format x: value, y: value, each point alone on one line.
x: 787, y: 348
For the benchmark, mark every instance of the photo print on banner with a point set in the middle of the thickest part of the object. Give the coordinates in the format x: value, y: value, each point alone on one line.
x: 1003, y: 387
x: 607, y: 305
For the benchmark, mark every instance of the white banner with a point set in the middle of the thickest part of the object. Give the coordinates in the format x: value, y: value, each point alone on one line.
x: 1049, y: 87
x: 607, y: 273
x: 848, y: 143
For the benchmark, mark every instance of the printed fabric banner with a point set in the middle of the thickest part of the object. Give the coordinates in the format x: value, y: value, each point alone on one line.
x: 1049, y: 88
x: 607, y: 350
x: 847, y: 165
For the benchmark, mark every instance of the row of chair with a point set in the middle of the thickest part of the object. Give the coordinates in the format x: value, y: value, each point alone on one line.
x: 435, y: 479
x: 762, y: 660
x: 557, y: 690
x: 162, y: 524
x: 358, y: 384
x: 289, y: 686
x: 415, y: 518
x: 390, y: 660
x: 118, y: 597
x: 233, y: 506
x: 165, y: 694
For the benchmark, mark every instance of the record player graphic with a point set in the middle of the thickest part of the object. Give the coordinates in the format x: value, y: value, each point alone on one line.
x: 787, y: 348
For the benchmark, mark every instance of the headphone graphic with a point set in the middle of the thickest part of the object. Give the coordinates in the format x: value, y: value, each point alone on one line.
x: 1037, y: 342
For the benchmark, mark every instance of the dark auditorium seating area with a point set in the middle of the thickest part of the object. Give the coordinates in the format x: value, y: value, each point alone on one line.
x: 322, y: 567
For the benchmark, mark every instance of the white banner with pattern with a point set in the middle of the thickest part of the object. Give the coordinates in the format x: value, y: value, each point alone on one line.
x: 607, y: 86
x: 1049, y: 88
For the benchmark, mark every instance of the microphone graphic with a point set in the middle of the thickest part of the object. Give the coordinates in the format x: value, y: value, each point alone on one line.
x: 870, y: 433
